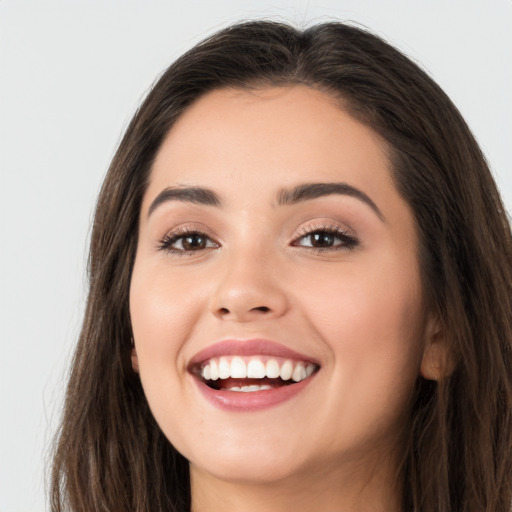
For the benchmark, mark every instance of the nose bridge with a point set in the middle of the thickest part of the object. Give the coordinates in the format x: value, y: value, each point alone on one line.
x: 248, y: 287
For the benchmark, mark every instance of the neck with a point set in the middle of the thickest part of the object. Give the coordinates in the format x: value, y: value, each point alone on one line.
x: 327, y: 491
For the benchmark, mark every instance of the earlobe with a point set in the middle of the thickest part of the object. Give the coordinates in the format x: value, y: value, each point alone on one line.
x: 135, y: 360
x: 437, y: 361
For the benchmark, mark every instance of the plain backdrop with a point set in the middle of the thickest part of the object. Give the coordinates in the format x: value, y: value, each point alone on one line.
x: 72, y: 74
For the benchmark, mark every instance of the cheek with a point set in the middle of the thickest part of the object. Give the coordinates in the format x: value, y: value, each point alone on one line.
x: 373, y: 323
x: 385, y: 299
x: 163, y: 317
x: 160, y: 306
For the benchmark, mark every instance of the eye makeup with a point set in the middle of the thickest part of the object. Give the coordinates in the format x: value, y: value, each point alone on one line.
x: 325, y: 238
x: 319, y: 238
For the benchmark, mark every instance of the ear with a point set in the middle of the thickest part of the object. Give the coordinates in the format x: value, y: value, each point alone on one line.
x: 135, y: 360
x: 437, y: 360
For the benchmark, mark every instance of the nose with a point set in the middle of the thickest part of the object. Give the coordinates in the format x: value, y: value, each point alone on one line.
x: 249, y: 289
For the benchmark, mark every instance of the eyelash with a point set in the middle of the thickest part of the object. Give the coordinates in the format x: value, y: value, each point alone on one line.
x: 347, y: 242
x: 166, y: 243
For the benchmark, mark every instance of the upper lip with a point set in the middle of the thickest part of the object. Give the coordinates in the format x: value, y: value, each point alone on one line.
x: 252, y: 347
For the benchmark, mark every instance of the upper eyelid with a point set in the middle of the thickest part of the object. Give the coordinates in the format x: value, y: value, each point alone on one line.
x: 191, y: 227
x: 304, y: 230
x: 324, y: 226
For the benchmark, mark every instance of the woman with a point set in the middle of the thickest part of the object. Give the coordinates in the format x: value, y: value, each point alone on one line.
x: 300, y: 292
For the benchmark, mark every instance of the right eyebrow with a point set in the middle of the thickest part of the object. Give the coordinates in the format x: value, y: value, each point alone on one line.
x: 196, y: 195
x: 309, y: 191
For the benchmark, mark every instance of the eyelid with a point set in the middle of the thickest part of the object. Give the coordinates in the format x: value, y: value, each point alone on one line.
x: 181, y: 231
x: 346, y: 239
x: 324, y: 225
x: 343, y: 233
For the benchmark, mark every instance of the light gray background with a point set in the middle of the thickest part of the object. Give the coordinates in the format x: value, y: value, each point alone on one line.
x: 71, y: 75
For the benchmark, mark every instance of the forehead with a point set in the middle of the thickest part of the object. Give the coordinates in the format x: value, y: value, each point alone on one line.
x: 266, y: 139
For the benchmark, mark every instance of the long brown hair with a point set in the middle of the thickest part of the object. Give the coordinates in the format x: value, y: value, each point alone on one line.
x: 112, y: 456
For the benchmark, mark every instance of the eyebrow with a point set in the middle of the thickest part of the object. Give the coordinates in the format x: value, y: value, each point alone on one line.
x: 310, y: 191
x: 196, y: 195
x: 285, y: 197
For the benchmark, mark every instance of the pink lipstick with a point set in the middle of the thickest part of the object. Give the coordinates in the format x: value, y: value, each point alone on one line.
x: 251, y: 375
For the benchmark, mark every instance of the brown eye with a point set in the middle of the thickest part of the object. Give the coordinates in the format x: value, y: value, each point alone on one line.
x: 194, y: 242
x: 186, y: 242
x: 324, y: 239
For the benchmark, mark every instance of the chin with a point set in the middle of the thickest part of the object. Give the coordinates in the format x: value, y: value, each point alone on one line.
x: 251, y: 471
x: 249, y: 461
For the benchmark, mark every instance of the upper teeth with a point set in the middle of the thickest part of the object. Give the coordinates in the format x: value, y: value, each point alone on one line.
x: 256, y: 368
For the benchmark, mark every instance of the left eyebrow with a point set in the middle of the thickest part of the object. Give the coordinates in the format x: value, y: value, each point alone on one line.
x: 310, y: 191
x: 196, y: 195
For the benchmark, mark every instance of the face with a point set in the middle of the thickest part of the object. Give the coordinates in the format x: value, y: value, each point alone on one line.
x: 276, y: 302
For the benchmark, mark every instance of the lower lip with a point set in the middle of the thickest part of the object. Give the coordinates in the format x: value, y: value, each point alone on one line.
x: 240, y: 401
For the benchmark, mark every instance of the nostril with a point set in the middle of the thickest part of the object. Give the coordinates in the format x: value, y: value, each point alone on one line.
x: 263, y: 309
x: 227, y: 312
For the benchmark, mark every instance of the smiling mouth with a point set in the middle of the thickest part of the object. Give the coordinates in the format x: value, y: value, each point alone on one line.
x: 254, y: 373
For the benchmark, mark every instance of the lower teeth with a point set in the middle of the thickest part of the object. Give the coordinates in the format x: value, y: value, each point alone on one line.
x: 248, y: 389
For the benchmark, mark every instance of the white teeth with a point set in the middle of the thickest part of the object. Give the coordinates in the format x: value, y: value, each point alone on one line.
x: 238, y: 368
x: 299, y: 373
x: 251, y: 388
x: 214, y: 370
x: 224, y: 368
x: 256, y: 369
x: 286, y: 370
x: 272, y: 369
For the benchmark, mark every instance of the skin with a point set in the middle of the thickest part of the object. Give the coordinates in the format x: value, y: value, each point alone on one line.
x: 358, y: 311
